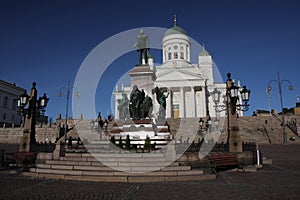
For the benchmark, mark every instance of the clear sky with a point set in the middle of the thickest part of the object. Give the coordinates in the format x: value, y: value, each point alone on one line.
x: 47, y: 41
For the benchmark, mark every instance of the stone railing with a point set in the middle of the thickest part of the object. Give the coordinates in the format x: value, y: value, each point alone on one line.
x: 292, y: 124
x: 45, y: 147
x: 206, y: 147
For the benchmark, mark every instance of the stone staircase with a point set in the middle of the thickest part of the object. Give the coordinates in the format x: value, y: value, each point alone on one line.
x: 259, y: 129
x: 114, y: 167
x: 83, y: 130
x: 183, y: 129
x: 104, y: 162
x: 264, y: 130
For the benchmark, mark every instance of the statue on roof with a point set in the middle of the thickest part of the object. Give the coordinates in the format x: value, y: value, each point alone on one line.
x: 142, y: 46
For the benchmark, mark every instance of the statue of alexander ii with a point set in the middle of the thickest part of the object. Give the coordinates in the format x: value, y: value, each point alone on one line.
x: 142, y: 46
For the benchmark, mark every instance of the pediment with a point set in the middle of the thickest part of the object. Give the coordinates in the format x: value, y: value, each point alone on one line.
x: 177, y: 74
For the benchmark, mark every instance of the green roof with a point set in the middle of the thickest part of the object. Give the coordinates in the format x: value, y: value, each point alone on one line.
x: 175, y: 30
x: 204, y: 52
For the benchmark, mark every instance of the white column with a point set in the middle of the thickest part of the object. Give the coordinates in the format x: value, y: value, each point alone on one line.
x: 203, y: 104
x: 117, y: 116
x: 155, y: 105
x: 169, y: 106
x: 182, y: 103
x: 193, y: 102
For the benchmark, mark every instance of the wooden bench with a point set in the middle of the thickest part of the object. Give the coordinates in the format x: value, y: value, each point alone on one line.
x: 25, y: 158
x: 223, y: 161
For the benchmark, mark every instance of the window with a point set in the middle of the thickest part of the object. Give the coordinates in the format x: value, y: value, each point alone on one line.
x: 181, y: 55
x: 4, y: 116
x: 169, y: 56
x: 175, y: 55
x: 5, y: 102
x: 14, y: 104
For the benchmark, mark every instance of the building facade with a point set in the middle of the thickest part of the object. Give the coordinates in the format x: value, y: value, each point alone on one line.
x: 9, y: 94
x: 189, y: 85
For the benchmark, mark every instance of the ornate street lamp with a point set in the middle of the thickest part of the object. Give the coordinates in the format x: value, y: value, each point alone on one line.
x: 30, y: 112
x: 204, y: 127
x: 216, y: 97
x: 92, y: 123
x: 234, y: 95
x: 207, y: 124
x: 68, y: 89
x: 279, y: 82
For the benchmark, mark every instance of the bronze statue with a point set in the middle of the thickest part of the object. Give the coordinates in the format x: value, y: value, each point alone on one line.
x: 135, y: 103
x: 161, y: 98
x: 123, y: 106
x: 142, y: 46
x: 147, y: 107
x: 140, y: 106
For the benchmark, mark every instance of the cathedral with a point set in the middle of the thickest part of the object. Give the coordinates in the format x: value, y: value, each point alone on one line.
x: 187, y: 85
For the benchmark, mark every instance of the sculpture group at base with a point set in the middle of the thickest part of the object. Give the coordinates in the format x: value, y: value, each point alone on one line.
x: 123, y: 106
x: 140, y: 105
x: 161, y: 99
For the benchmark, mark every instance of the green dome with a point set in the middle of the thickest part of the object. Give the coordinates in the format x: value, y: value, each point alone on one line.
x: 175, y: 30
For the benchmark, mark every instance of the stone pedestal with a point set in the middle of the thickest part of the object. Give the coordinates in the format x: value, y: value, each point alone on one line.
x: 144, y: 77
x: 25, y: 142
x: 235, y: 141
x: 28, y: 140
x: 138, y: 130
x: 170, y: 152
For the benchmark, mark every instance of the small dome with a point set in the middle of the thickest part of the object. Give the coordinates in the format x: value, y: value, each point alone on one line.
x: 175, y: 30
x: 204, y: 52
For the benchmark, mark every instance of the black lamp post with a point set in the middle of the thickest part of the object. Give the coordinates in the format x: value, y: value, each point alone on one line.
x: 233, y: 95
x: 204, y: 126
x: 279, y: 82
x: 30, y: 112
x: 207, y: 124
x: 68, y: 89
x: 233, y: 104
x: 216, y: 97
x: 100, y: 125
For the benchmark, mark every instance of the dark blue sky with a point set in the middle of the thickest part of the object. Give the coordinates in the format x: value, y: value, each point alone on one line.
x: 47, y: 41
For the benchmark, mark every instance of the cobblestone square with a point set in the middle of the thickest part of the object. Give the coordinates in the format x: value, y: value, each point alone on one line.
x: 280, y: 180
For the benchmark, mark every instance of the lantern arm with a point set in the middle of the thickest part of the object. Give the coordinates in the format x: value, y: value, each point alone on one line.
x: 216, y: 97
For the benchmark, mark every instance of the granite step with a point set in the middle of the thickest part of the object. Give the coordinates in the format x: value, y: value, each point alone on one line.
x: 129, y: 167
x: 124, y: 177
x: 112, y: 164
x: 112, y: 159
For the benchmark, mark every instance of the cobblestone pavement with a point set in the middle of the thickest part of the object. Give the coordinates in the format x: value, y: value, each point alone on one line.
x: 281, y: 180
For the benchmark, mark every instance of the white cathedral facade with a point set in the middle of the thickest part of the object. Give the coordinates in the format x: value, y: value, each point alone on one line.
x: 189, y: 84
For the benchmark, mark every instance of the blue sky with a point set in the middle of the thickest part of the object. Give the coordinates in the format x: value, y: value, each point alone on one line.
x: 47, y: 41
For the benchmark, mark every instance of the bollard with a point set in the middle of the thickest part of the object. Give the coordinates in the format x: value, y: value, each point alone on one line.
x: 258, y: 158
